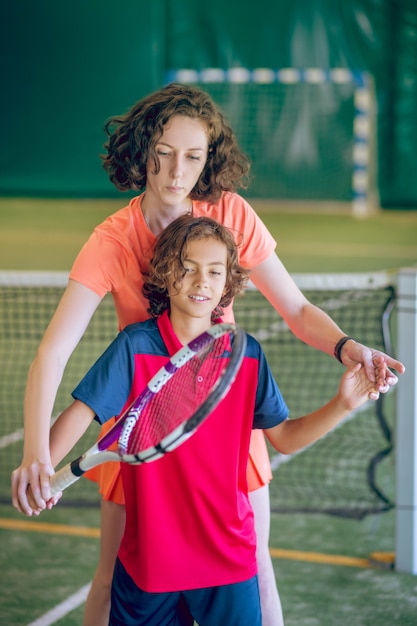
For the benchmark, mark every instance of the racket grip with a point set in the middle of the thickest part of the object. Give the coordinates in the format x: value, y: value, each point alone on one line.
x: 63, y: 479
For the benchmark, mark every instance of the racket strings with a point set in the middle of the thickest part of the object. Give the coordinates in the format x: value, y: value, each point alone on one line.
x: 179, y: 398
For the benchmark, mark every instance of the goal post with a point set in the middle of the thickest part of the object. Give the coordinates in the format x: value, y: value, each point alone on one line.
x: 309, y: 132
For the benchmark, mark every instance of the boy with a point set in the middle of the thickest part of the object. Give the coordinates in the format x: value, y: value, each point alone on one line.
x: 189, y: 528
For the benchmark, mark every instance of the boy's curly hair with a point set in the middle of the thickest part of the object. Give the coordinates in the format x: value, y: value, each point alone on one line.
x: 167, y: 265
x: 132, y: 138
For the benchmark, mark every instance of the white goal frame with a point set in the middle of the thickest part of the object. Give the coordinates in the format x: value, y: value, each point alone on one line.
x: 364, y: 188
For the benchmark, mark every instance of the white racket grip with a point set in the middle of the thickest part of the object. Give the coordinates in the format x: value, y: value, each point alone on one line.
x: 63, y: 479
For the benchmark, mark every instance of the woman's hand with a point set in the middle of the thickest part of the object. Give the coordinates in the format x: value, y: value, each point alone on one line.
x: 31, y: 492
x: 377, y: 365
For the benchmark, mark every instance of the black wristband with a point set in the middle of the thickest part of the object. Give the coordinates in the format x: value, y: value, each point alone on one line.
x: 338, y: 348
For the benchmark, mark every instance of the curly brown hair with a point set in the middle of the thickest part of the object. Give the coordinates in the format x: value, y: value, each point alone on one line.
x: 167, y: 265
x: 133, y: 136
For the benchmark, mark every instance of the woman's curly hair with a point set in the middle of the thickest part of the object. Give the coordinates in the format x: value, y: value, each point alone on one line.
x: 132, y: 139
x: 166, y: 269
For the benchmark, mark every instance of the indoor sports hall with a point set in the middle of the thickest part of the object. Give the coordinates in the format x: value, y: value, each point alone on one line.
x: 322, y: 97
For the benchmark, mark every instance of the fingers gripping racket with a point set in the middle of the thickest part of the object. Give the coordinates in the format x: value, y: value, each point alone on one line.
x: 171, y: 407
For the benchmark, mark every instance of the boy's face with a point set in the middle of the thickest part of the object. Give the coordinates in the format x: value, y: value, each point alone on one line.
x: 204, y: 282
x: 182, y: 152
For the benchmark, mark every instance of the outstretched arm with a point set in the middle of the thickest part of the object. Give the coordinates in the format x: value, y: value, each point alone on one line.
x: 61, y: 337
x: 313, y: 326
x: 354, y: 390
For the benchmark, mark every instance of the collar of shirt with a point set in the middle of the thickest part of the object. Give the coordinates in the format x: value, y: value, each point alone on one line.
x: 169, y: 337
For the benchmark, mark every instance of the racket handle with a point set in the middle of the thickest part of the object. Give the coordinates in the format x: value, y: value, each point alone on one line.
x: 63, y: 479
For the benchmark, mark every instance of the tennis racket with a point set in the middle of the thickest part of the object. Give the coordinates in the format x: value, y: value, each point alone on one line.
x: 172, y: 406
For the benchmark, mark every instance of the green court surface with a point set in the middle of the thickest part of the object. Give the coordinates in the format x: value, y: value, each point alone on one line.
x: 43, y: 569
x: 47, y: 234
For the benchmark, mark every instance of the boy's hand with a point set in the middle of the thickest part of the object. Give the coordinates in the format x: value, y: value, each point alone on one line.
x: 356, y: 388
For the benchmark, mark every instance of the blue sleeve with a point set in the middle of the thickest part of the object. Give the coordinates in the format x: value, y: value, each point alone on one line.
x: 106, y: 386
x: 270, y: 407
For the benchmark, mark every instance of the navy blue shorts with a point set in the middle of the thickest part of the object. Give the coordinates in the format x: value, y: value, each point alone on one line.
x: 234, y: 605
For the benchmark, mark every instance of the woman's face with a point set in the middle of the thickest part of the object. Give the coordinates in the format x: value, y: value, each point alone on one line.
x: 182, y: 151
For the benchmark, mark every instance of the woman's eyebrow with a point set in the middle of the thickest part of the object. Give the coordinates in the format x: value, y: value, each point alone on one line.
x: 164, y: 143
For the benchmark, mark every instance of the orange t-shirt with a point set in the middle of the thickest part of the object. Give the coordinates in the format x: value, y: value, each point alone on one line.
x: 113, y: 259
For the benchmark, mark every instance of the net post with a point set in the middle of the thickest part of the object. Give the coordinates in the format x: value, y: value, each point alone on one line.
x: 406, y: 429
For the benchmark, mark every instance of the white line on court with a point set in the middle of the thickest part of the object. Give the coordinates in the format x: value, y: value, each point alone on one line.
x: 60, y: 610
x: 7, y: 440
x: 17, y: 435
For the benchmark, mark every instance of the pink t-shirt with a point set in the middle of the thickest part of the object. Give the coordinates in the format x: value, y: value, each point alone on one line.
x: 195, y: 522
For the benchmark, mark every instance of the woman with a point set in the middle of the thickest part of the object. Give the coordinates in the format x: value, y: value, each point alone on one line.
x: 177, y: 145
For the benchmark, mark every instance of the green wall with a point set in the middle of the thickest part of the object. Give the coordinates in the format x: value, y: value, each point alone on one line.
x: 66, y: 67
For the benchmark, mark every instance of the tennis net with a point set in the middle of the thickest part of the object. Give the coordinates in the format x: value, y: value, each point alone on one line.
x: 349, y: 473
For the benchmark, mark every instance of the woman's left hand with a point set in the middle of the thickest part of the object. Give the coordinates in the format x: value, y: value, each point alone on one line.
x: 377, y: 364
